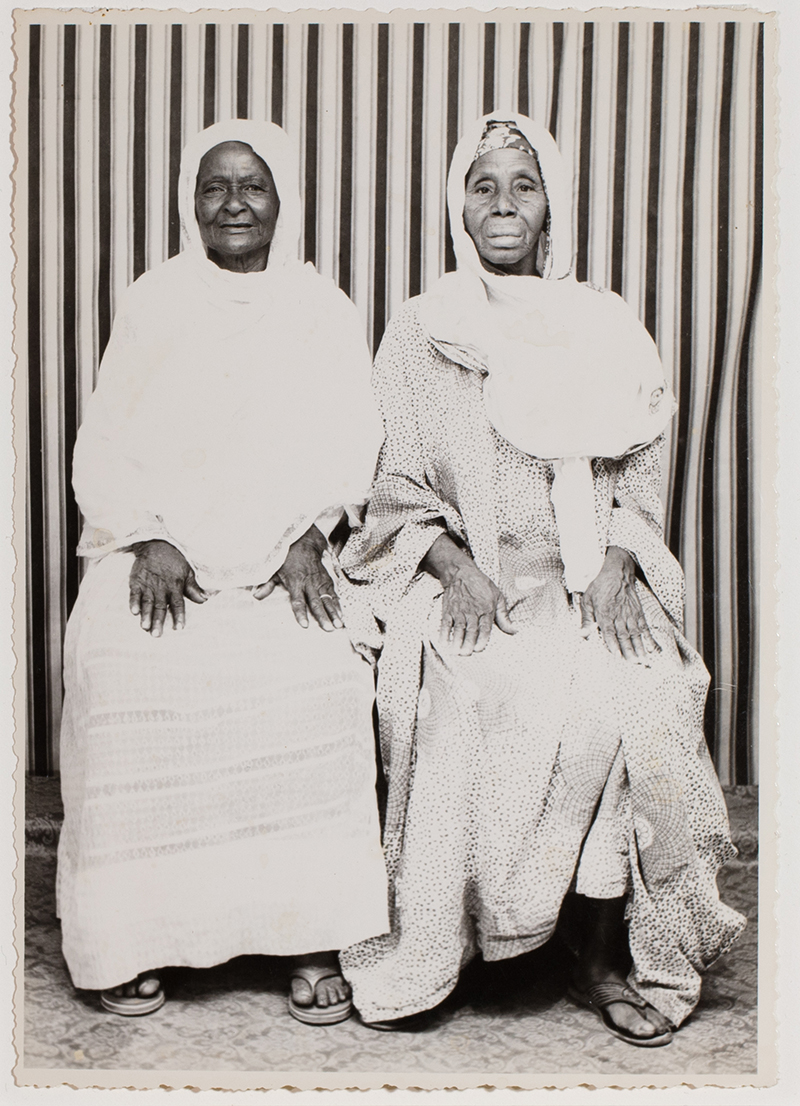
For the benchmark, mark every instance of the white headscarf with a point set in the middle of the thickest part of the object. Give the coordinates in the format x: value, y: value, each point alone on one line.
x: 572, y: 373
x: 232, y: 409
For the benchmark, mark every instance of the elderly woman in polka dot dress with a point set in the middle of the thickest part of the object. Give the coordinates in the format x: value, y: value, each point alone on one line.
x: 541, y: 710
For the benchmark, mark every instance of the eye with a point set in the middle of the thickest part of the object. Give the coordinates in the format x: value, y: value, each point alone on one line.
x: 482, y: 189
x: 254, y: 188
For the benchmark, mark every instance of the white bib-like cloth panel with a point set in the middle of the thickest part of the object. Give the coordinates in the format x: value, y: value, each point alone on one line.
x: 232, y: 409
x: 572, y: 373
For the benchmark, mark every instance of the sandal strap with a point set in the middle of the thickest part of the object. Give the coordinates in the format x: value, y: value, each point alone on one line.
x: 603, y: 994
x: 313, y: 976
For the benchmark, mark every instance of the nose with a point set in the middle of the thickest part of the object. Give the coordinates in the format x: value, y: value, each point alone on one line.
x: 234, y: 201
x: 505, y: 204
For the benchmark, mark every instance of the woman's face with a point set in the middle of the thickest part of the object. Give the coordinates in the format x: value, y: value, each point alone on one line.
x: 505, y: 209
x: 236, y: 204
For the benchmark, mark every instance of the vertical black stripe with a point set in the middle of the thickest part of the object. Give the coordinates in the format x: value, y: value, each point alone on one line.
x: 558, y: 57
x: 37, y: 570
x: 415, y: 183
x: 453, y: 69
x: 104, y: 189
x: 523, y: 82
x: 346, y: 179
x: 654, y: 182
x: 746, y: 583
x: 620, y: 151
x: 175, y: 135
x: 489, y: 38
x: 584, y: 169
x: 140, y: 150
x: 312, y: 143
x: 708, y: 517
x: 71, y: 523
x: 381, y: 167
x: 210, y: 76
x: 277, y: 74
x: 686, y: 343
x: 243, y: 72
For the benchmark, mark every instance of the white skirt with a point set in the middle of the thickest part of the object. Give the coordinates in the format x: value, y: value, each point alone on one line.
x: 218, y: 783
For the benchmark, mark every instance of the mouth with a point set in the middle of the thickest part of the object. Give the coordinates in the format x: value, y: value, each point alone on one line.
x: 505, y: 239
x: 236, y: 226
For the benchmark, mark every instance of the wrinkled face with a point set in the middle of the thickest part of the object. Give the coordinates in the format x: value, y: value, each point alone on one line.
x: 505, y: 209
x: 236, y: 204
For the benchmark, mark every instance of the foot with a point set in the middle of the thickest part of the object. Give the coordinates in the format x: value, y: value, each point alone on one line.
x: 329, y: 991
x: 641, y: 1022
x: 142, y: 995
x: 145, y: 985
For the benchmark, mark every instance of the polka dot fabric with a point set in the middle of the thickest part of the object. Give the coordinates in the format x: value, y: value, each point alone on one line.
x: 543, y: 763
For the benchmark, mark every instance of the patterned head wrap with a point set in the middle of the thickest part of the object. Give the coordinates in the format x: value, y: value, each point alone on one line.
x: 502, y: 134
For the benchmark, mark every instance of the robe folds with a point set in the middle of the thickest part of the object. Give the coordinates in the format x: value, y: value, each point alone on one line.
x: 544, y: 763
x: 219, y: 781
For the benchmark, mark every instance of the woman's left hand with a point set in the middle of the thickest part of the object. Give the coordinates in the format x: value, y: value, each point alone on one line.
x: 308, y: 583
x: 611, y: 602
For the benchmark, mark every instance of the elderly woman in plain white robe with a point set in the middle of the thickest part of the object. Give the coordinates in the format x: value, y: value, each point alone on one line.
x: 219, y: 781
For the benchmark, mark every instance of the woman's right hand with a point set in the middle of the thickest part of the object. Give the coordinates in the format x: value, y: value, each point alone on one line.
x: 471, y: 603
x: 160, y: 578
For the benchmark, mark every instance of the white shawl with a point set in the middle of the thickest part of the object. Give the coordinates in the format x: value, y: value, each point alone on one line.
x: 572, y: 373
x: 232, y: 409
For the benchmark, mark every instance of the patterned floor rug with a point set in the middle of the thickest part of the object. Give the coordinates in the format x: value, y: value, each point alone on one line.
x: 511, y: 1017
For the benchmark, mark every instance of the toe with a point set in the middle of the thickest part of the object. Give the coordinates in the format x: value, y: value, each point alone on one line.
x: 301, y: 991
x: 148, y: 984
x: 130, y: 989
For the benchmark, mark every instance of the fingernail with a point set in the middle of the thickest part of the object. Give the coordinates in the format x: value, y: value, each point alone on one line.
x: 339, y: 625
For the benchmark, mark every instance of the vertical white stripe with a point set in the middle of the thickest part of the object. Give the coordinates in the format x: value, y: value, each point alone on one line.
x: 398, y: 214
x: 330, y: 152
x: 637, y: 165
x: 540, y: 72
x: 364, y: 81
x: 52, y: 260
x: 260, y: 71
x: 434, y: 138
x: 227, y: 52
x: 604, y: 102
x: 157, y: 130
x: 506, y: 66
x: 194, y: 52
x: 86, y: 205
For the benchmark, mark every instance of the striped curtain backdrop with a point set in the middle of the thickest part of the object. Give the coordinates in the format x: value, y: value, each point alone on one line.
x: 662, y: 122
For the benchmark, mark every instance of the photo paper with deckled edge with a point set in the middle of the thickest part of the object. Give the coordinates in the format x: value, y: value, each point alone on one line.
x: 155, y: 231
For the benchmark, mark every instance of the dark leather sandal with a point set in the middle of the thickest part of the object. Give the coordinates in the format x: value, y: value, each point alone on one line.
x: 599, y: 997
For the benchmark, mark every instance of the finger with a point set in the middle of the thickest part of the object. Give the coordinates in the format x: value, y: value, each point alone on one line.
x: 177, y: 608
x: 331, y: 601
x: 485, y: 624
x: 650, y: 643
x: 459, y: 630
x: 317, y: 608
x: 588, y: 622
x: 610, y: 639
x: 160, y: 608
x: 445, y: 628
x: 192, y: 590
x: 135, y: 599
x: 624, y: 638
x: 146, y: 610
x: 503, y: 618
x: 299, y: 609
x: 470, y: 636
x: 639, y: 651
x: 263, y: 590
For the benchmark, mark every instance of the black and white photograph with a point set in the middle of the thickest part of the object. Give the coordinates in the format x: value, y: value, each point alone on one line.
x: 393, y: 631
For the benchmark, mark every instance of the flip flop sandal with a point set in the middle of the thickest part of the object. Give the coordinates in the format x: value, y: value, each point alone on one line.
x: 313, y: 1014
x: 132, y: 1006
x: 600, y: 995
